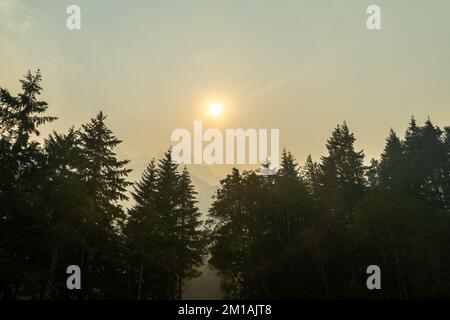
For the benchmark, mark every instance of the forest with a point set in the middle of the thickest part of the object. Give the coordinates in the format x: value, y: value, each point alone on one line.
x: 307, y: 232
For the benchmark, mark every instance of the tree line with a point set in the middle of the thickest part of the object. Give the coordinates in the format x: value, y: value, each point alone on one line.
x: 308, y: 231
x: 311, y: 231
x: 60, y: 205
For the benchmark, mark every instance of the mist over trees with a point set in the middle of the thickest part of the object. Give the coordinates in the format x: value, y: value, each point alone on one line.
x: 310, y: 231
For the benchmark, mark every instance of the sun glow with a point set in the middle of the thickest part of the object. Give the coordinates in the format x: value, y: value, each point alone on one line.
x: 215, y: 109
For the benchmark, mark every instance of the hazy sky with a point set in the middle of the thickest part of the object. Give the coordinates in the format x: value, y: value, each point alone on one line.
x: 300, y: 66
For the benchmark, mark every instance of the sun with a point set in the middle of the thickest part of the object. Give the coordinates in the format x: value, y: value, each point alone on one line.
x: 215, y: 109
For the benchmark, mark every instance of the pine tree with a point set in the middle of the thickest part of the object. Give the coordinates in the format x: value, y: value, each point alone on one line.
x: 372, y: 174
x: 311, y: 173
x: 71, y: 210
x: 191, y: 242
x: 164, y: 229
x: 291, y: 195
x: 20, y: 116
x: 392, y: 165
x: 342, y: 173
x: 105, y: 177
x: 23, y: 212
x: 141, y: 236
x: 230, y: 248
x: 288, y: 165
x: 412, y: 154
x: 145, y: 190
x: 425, y: 162
x: 103, y: 172
x: 179, y: 222
x: 433, y: 158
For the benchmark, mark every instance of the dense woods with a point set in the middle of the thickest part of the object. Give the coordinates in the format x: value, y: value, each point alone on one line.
x: 61, y: 205
x: 310, y: 231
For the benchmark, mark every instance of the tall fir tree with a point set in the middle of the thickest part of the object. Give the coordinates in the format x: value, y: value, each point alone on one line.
x: 23, y: 211
x: 164, y: 230
x: 105, y: 177
x: 141, y: 234
x: 191, y: 241
x: 392, y: 165
x: 342, y: 173
x: 103, y: 172
x: 425, y: 162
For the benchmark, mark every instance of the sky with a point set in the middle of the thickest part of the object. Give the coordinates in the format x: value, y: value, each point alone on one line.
x: 297, y: 66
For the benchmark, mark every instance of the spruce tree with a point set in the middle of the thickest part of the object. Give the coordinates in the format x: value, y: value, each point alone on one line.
x: 425, y: 156
x: 22, y: 209
x: 103, y: 172
x: 20, y: 116
x: 105, y: 177
x: 392, y: 165
x: 342, y: 173
x: 191, y: 241
x: 142, y: 237
x: 164, y: 230
x: 372, y: 174
x: 292, y: 197
x: 70, y: 209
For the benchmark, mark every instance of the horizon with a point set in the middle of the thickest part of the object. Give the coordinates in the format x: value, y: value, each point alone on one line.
x: 301, y: 82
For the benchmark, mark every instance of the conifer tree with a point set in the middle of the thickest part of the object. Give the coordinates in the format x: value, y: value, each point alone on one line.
x: 372, y: 174
x: 22, y: 212
x: 342, y: 173
x: 103, y: 172
x: 291, y: 195
x: 105, y: 177
x: 20, y: 116
x: 141, y: 236
x: 425, y: 162
x: 164, y: 230
x: 191, y: 242
x: 179, y: 224
x: 392, y: 165
x: 70, y: 209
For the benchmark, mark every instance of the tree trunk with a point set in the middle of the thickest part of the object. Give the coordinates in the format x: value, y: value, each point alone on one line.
x: 323, y: 273
x: 180, y: 287
x: 50, y: 281
x: 401, y: 280
x: 141, y: 275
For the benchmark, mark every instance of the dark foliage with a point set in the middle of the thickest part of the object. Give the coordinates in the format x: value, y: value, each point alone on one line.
x: 306, y: 232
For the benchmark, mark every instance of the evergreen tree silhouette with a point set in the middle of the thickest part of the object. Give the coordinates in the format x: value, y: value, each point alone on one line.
x: 306, y: 232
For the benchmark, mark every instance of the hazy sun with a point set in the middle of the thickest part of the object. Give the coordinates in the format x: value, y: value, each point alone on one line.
x: 215, y: 109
